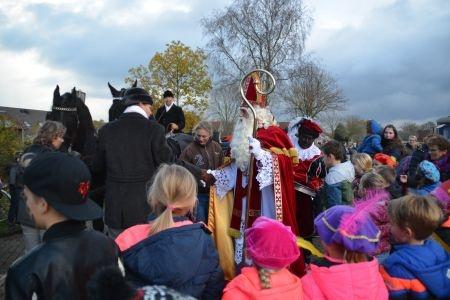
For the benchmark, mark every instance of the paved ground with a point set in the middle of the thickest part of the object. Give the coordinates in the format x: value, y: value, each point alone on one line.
x: 11, y: 248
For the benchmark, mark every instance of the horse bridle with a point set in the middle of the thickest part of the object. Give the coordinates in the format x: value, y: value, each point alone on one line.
x: 61, y: 110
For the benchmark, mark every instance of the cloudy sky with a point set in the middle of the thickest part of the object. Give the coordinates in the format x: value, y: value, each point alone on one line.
x: 392, y: 58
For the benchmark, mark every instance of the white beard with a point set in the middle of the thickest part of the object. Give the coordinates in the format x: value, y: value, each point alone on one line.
x: 242, y: 130
x: 240, y: 145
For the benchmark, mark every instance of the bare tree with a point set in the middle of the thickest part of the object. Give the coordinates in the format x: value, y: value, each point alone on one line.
x: 268, y: 34
x: 312, y: 91
x: 330, y: 120
x: 224, y: 106
x: 407, y: 129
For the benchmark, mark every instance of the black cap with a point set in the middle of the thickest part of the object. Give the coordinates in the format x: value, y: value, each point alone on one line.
x: 63, y: 181
x: 135, y: 95
x: 167, y: 94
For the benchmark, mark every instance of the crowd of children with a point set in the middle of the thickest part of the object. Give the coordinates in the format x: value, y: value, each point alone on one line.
x: 383, y: 235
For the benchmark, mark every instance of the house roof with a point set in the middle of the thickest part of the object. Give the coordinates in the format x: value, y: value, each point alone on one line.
x: 24, y: 117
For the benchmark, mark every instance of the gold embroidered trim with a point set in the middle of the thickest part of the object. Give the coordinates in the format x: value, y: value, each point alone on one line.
x: 234, y: 233
x: 351, y: 236
x: 277, y: 189
x: 292, y: 153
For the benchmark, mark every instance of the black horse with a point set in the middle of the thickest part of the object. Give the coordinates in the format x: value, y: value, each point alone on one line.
x: 80, y: 135
x: 118, y: 105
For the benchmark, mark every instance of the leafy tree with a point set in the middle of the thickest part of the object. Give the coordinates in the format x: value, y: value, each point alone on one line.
x: 341, y: 133
x: 356, y: 128
x: 98, y: 123
x: 10, y: 143
x: 191, y: 119
x: 179, y: 69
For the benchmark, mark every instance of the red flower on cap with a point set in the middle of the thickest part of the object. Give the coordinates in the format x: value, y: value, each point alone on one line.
x: 83, y: 188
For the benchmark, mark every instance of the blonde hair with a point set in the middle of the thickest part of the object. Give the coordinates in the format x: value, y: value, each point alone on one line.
x: 173, y: 188
x: 362, y: 161
x: 421, y: 214
x: 371, y: 181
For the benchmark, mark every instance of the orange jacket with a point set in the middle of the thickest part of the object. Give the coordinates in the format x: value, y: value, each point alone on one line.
x: 284, y: 285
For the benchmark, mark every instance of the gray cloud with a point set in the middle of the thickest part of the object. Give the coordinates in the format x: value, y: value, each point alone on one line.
x: 396, y: 64
x: 100, y: 52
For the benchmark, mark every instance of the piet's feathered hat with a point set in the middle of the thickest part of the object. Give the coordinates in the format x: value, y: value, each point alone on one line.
x: 352, y: 228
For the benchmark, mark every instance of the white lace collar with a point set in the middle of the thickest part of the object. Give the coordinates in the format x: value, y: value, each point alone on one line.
x: 307, y: 154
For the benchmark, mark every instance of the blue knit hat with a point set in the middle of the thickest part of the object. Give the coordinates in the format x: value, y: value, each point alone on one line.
x: 429, y: 170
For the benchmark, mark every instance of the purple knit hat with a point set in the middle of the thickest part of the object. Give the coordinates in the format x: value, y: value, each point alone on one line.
x: 346, y: 226
x: 270, y: 244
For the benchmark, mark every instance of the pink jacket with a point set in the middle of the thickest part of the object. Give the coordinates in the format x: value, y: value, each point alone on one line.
x: 284, y: 285
x: 137, y: 233
x: 346, y: 281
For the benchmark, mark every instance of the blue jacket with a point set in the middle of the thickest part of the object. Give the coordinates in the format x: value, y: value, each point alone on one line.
x: 183, y: 258
x: 371, y: 144
x: 425, y: 190
x: 417, y: 271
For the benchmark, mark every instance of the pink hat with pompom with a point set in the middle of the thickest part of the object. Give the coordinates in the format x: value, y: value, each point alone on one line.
x: 270, y: 244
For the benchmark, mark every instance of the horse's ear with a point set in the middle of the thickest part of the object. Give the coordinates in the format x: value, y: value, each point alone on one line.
x: 134, y: 84
x: 74, y: 91
x: 115, y: 93
x: 56, y: 94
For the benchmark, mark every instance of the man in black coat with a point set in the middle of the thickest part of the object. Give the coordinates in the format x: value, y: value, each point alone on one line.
x: 56, y: 189
x: 129, y: 151
x: 169, y: 115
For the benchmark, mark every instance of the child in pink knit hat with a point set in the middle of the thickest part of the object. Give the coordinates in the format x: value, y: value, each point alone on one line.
x: 272, y: 247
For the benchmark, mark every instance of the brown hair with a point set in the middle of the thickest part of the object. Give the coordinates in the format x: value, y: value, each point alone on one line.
x: 439, y: 141
x: 173, y: 188
x: 351, y: 257
x: 335, y: 148
x: 421, y: 214
x: 387, y: 172
x: 49, y: 131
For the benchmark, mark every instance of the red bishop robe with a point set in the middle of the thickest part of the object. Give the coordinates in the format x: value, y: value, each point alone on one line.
x: 275, y: 140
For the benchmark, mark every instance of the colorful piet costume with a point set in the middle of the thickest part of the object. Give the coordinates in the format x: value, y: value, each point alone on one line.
x: 308, y: 173
x: 272, y: 187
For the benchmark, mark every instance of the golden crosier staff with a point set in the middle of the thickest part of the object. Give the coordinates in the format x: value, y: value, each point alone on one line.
x: 246, y: 80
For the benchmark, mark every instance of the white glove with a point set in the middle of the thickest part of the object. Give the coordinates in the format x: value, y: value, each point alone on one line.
x: 255, y: 148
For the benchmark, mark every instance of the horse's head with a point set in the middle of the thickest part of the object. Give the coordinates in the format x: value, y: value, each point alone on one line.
x: 118, y: 105
x: 64, y: 110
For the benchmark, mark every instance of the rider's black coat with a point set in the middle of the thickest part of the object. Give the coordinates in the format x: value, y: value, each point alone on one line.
x: 129, y: 151
x: 174, y: 115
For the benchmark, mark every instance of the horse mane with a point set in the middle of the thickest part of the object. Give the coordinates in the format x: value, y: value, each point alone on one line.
x: 86, y: 134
